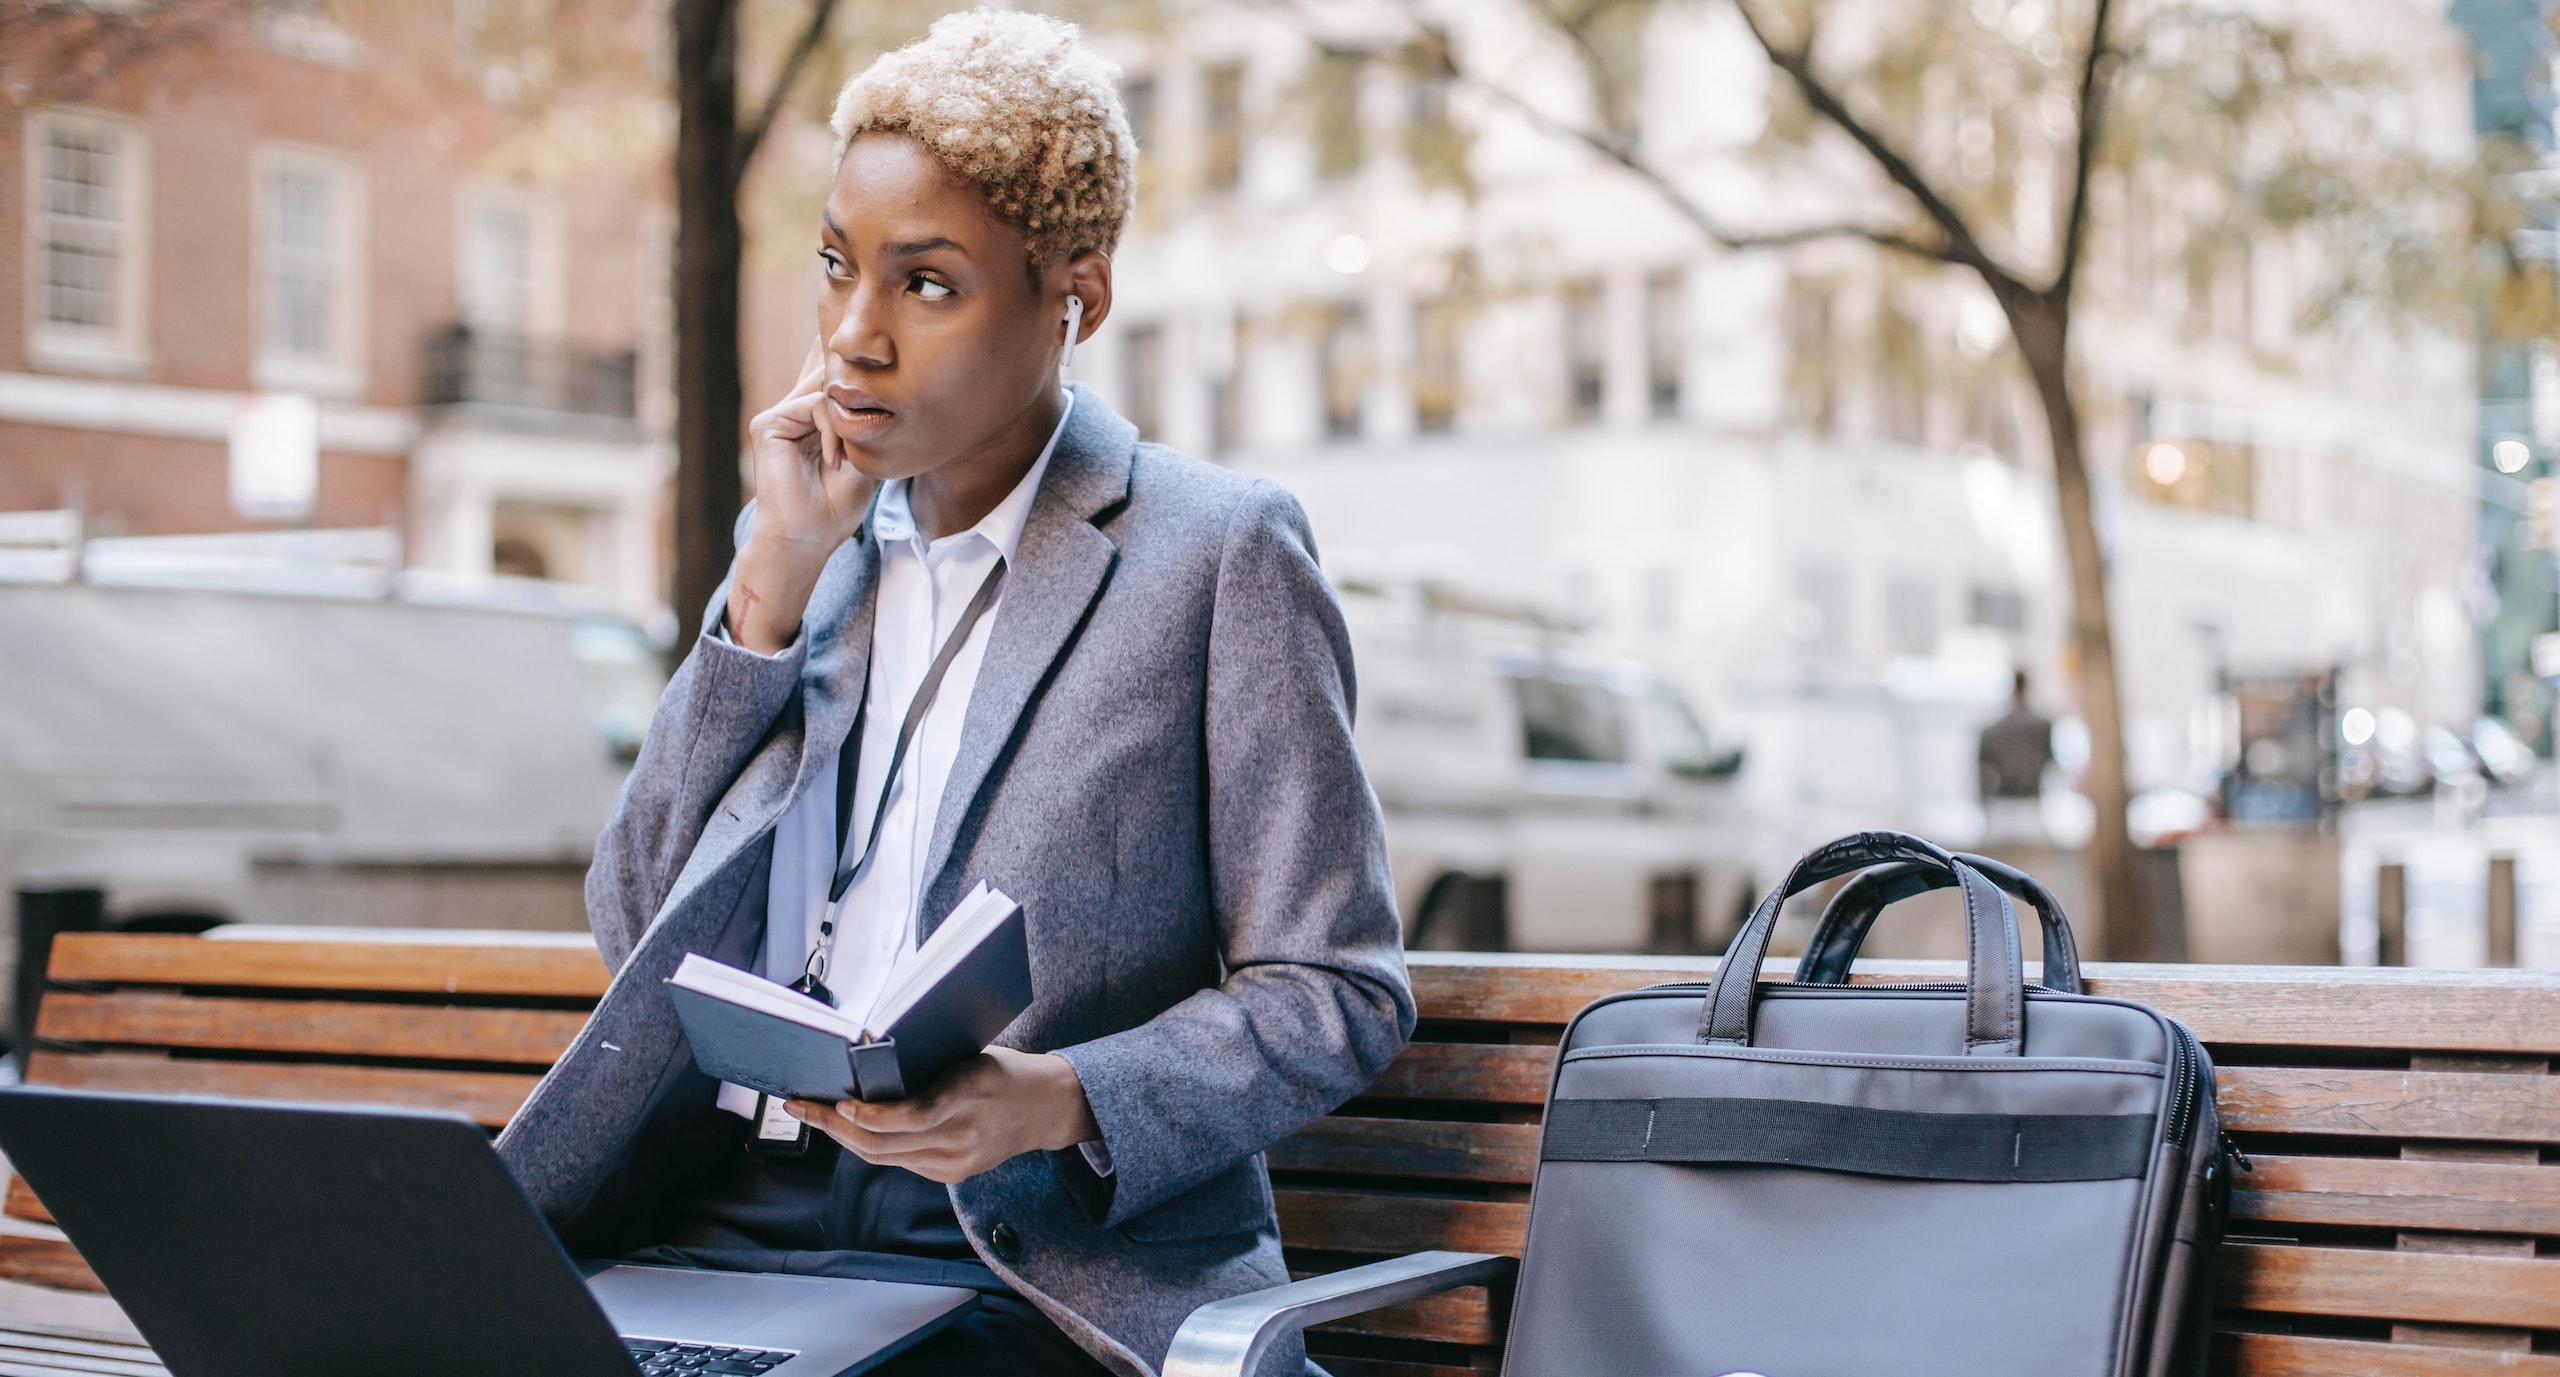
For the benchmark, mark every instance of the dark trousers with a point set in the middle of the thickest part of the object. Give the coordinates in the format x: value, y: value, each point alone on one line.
x: 828, y: 1213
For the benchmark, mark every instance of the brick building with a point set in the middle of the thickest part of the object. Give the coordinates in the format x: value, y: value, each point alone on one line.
x: 276, y: 274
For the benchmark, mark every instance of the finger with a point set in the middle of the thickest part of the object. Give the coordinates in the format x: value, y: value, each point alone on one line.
x: 900, y: 1116
x: 830, y: 445
x: 871, y: 1136
x: 941, y: 1168
x: 850, y: 1135
x: 813, y: 369
x: 788, y: 419
x: 900, y: 1149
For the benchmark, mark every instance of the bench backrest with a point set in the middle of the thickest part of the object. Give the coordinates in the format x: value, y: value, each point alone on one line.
x: 2402, y: 1220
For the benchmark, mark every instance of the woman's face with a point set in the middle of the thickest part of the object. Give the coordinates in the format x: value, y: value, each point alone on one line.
x: 939, y: 342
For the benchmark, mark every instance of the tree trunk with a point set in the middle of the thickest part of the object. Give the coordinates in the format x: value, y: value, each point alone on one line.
x: 709, y: 394
x: 2133, y: 930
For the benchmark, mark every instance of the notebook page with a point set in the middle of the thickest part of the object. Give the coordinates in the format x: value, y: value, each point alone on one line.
x: 957, y: 936
x: 748, y: 991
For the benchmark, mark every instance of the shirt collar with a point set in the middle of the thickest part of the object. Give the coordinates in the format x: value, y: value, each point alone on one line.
x: 1002, y: 528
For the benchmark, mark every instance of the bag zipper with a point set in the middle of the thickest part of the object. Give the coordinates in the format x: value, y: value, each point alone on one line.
x: 2186, y: 1081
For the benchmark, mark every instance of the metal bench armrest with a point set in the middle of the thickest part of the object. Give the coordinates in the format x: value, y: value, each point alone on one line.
x: 1227, y: 1338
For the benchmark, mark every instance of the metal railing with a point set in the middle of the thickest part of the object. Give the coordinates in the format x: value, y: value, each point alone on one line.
x: 498, y: 368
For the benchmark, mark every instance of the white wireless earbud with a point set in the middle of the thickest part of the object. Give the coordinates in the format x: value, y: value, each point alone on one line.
x: 1075, y: 326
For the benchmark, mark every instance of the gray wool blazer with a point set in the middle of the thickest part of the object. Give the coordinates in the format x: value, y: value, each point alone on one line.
x: 1157, y: 762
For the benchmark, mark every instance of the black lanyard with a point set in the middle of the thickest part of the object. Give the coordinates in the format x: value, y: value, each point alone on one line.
x: 813, y: 976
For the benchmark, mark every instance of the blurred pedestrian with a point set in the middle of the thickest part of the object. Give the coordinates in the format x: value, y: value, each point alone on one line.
x: 2010, y: 764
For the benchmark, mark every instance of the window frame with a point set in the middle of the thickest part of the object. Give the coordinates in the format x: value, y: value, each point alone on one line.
x: 339, y: 371
x: 546, y: 255
x: 124, y: 346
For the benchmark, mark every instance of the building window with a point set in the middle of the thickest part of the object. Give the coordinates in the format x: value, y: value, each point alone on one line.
x: 1911, y: 615
x: 1812, y: 382
x: 1818, y: 616
x: 1661, y: 598
x: 1343, y: 364
x: 1435, y: 366
x: 1999, y: 609
x: 1586, y: 350
x: 1901, y: 375
x: 1142, y: 379
x: 1663, y: 334
x: 1433, y: 143
x: 87, y: 246
x: 510, y: 268
x: 310, y: 283
x: 1138, y: 99
x: 1340, y: 149
x: 1222, y: 144
x: 497, y: 271
x: 1226, y: 386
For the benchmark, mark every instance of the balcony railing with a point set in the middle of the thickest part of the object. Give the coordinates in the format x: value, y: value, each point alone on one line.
x: 498, y: 368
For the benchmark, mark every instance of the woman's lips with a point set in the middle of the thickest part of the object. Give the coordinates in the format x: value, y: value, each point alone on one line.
x: 861, y: 420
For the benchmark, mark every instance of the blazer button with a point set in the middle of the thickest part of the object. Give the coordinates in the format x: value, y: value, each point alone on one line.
x: 1007, y: 1243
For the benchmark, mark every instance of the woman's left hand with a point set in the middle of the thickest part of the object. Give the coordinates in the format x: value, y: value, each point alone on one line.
x: 995, y: 1106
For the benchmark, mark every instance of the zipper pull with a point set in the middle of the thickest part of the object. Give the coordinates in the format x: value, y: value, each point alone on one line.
x: 2238, y: 1158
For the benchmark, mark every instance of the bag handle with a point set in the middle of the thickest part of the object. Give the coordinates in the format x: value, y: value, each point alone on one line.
x: 1843, y: 929
x: 1995, y: 978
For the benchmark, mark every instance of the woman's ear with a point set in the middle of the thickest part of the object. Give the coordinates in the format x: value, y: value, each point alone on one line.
x: 1088, y: 280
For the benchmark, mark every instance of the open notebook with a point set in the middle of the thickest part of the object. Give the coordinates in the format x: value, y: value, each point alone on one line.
x: 946, y: 1003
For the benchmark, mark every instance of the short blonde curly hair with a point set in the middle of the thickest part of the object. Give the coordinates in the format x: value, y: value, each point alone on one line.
x: 1017, y: 105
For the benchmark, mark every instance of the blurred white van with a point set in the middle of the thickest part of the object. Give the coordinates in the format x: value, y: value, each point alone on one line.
x: 290, y: 728
x: 1539, y: 799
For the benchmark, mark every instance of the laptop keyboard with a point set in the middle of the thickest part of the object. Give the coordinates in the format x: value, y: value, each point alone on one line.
x: 658, y: 1358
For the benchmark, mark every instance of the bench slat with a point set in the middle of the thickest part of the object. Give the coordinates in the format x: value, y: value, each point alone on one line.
x: 2372, y: 1283
x: 46, y: 1262
x: 1521, y: 990
x: 1505, y: 1153
x: 1498, y: 1073
x: 1366, y: 1222
x: 2392, y: 1008
x: 2467, y: 1011
x: 420, y: 968
x: 1361, y: 1365
x: 21, y: 1202
x: 490, y: 1097
x: 2395, y: 1104
x: 2296, y: 1355
x: 1463, y: 1316
x: 2386, y: 1192
x: 532, y: 1036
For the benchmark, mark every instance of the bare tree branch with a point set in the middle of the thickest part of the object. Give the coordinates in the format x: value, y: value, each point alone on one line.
x: 1617, y: 151
x: 1594, y: 60
x: 1961, y: 245
x: 2096, y: 71
x: 820, y: 11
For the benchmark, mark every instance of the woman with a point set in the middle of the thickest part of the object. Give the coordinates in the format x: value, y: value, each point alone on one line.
x: 1140, y: 729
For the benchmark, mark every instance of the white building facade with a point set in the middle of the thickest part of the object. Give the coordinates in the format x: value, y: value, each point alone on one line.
x: 1809, y: 485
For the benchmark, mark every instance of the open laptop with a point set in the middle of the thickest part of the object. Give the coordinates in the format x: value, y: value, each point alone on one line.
x: 264, y: 1240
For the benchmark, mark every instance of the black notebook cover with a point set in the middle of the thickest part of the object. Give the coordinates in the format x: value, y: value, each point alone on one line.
x: 954, y: 1020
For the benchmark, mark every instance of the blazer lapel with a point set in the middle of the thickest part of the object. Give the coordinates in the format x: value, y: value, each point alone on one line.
x: 1059, y: 569
x: 838, y: 624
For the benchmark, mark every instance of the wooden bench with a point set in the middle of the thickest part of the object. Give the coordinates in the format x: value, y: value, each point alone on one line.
x: 2403, y: 1219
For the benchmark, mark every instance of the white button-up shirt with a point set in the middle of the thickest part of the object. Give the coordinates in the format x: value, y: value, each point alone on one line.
x: 924, y: 586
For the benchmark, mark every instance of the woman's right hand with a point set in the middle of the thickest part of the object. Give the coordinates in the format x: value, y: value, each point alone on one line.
x: 810, y: 499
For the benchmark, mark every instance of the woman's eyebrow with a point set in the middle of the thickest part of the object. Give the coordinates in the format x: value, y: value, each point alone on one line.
x: 908, y: 248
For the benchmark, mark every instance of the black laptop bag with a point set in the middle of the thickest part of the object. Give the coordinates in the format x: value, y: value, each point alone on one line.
x: 1824, y: 1180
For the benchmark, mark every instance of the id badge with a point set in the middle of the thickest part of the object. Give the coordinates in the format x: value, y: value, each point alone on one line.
x: 777, y: 1134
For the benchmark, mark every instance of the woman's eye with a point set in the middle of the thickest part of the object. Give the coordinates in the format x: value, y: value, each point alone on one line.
x: 931, y: 290
x: 832, y: 265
